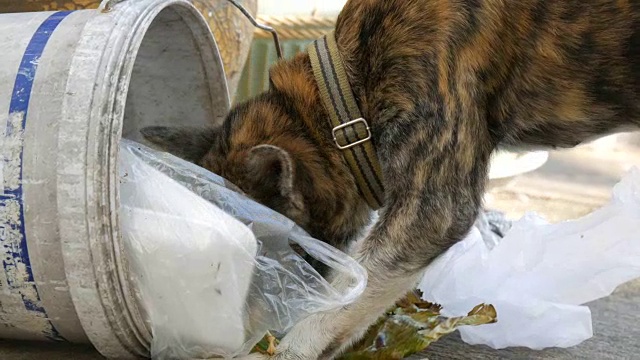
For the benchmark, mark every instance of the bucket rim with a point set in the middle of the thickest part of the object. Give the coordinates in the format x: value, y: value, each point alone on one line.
x: 117, y: 36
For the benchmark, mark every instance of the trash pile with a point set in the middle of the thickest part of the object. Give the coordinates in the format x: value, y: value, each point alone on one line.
x: 215, y: 270
x: 539, y: 276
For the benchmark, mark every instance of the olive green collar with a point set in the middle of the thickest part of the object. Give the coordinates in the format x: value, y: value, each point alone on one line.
x: 351, y: 132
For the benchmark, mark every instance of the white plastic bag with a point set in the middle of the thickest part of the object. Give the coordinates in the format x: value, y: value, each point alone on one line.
x: 214, y: 269
x: 195, y: 260
x: 539, y: 275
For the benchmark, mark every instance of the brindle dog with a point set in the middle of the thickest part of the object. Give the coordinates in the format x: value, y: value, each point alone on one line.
x: 442, y: 83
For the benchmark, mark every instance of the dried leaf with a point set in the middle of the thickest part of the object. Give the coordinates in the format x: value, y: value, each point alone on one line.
x: 412, y: 327
x: 480, y: 315
x: 266, y: 346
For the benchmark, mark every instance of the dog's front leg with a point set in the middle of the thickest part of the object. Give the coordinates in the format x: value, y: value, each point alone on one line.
x: 392, y: 272
x: 323, y: 336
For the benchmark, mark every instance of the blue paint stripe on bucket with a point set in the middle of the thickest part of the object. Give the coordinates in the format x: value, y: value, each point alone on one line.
x: 18, y: 109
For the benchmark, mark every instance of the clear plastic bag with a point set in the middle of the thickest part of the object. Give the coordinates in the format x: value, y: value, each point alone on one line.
x: 214, y: 269
x: 540, y: 275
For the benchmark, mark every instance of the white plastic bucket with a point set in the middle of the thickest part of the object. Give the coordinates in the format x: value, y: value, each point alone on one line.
x: 71, y: 84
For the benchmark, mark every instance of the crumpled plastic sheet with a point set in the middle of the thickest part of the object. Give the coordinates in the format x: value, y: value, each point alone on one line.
x: 538, y: 275
x: 493, y: 226
x: 214, y: 270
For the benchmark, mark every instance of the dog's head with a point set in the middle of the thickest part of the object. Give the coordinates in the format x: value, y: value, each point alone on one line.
x: 247, y: 151
x: 277, y: 148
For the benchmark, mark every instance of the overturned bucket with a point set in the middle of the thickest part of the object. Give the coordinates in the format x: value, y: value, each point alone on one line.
x: 71, y: 85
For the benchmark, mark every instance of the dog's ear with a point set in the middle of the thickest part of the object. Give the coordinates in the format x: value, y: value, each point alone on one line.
x: 272, y: 171
x: 188, y: 143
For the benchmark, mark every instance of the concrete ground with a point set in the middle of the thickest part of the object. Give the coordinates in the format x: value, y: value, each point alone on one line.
x: 571, y: 184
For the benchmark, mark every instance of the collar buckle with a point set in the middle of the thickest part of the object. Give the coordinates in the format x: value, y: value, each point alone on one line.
x: 351, y: 123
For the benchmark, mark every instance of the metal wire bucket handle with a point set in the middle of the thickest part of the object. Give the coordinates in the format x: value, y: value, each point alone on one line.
x: 255, y: 23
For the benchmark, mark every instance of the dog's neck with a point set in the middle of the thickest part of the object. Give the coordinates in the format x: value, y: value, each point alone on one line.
x: 341, y: 210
